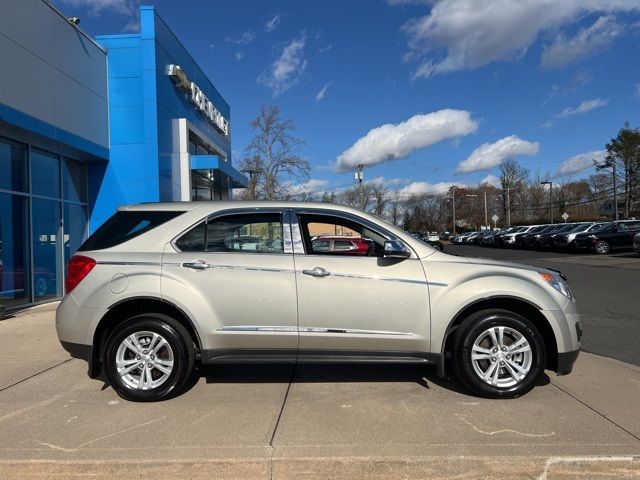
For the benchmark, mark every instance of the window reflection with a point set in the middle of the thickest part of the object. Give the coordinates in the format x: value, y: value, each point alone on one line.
x: 14, y: 250
x: 45, y: 173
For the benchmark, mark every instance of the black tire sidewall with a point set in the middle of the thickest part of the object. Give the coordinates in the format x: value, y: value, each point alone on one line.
x: 179, y: 341
x: 478, y: 323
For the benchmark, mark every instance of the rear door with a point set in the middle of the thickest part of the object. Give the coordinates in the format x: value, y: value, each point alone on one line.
x: 237, y: 267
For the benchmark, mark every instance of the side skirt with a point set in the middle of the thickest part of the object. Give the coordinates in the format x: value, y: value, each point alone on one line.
x: 249, y: 356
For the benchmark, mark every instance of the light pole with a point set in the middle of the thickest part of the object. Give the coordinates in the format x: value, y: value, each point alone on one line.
x: 506, y: 189
x: 453, y: 202
x: 472, y: 195
x: 486, y: 217
x: 550, y: 199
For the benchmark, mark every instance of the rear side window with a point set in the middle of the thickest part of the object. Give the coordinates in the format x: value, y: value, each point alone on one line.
x: 124, y: 226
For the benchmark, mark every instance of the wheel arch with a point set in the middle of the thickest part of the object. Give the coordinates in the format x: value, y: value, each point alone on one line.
x: 122, y: 310
x: 523, y: 307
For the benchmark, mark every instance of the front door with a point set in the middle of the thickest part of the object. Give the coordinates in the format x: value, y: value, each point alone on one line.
x: 235, y: 269
x: 357, y: 303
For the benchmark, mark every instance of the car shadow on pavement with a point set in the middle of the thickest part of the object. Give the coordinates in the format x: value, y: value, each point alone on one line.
x: 422, y: 375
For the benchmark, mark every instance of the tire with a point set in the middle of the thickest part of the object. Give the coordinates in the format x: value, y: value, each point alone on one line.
x: 473, y: 335
x: 127, y: 344
x: 601, y: 248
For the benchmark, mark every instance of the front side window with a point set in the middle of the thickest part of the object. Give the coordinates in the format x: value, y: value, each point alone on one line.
x: 358, y: 240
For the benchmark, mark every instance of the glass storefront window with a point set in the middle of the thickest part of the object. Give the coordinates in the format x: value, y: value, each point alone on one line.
x: 75, y: 229
x: 74, y: 181
x: 15, y: 277
x: 45, y: 173
x: 47, y: 269
x: 13, y: 166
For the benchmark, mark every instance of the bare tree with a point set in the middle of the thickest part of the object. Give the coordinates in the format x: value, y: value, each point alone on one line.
x: 514, y: 179
x: 380, y: 196
x: 272, y: 156
x: 395, y: 207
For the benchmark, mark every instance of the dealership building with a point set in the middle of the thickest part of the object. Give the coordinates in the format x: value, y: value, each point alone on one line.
x: 89, y: 124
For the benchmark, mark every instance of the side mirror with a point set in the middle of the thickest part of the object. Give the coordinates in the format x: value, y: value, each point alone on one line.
x: 396, y: 249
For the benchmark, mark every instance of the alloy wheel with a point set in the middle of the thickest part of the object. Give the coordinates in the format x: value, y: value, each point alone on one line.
x: 144, y: 360
x: 501, y: 356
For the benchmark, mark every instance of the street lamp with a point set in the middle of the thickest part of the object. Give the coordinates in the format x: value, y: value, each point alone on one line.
x: 550, y: 199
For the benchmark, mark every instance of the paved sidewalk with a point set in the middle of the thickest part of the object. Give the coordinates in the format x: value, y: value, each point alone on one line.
x: 253, y: 422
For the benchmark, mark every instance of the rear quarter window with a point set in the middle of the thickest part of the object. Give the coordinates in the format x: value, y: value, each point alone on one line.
x: 124, y: 226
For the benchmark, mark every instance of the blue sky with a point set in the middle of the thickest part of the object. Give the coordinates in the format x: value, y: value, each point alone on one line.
x: 425, y: 93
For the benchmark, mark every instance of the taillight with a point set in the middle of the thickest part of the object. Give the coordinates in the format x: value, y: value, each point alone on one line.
x: 78, y: 268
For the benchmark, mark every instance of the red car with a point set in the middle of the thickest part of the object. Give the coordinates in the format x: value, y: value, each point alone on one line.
x: 341, y: 244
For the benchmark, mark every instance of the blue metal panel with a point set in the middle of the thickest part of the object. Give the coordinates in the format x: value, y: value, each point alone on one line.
x: 14, y: 117
x: 212, y: 162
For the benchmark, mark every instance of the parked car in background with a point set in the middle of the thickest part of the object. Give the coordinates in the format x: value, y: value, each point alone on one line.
x: 161, y: 287
x: 339, y: 244
x: 520, y: 239
x: 433, y: 237
x: 457, y: 239
x: 566, y: 240
x: 547, y: 240
x: 614, y: 236
x: 636, y: 243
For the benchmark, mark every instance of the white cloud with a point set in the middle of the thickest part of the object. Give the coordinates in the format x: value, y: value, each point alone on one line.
x: 638, y: 89
x: 239, y: 56
x: 463, y: 34
x: 393, y: 141
x: 325, y: 49
x: 245, y: 39
x: 323, y: 92
x: 396, y: 3
x: 424, y: 188
x: 285, y: 72
x: 272, y: 24
x: 580, y: 162
x: 312, y: 186
x: 584, y: 107
x: 125, y: 7
x: 564, y: 51
x: 547, y: 124
x: 491, y: 180
x: 489, y: 155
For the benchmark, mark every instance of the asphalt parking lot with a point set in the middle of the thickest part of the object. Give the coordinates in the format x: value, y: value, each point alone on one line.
x: 311, y: 422
x: 606, y: 287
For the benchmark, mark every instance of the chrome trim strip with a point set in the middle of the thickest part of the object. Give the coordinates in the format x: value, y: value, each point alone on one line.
x: 351, y: 331
x: 106, y: 262
x: 237, y: 267
x: 252, y: 328
x: 372, y: 277
x: 437, y: 284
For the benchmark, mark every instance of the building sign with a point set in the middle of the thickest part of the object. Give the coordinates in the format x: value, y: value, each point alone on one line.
x: 198, y: 98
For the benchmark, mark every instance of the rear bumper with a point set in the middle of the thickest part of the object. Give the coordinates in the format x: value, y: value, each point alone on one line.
x: 83, y: 352
x: 566, y: 361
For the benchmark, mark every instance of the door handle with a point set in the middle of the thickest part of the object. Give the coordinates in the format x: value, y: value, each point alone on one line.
x: 317, y: 272
x: 197, y: 265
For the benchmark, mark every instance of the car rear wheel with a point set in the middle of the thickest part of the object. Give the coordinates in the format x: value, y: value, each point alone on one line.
x: 149, y: 358
x: 499, y: 354
x: 602, y: 247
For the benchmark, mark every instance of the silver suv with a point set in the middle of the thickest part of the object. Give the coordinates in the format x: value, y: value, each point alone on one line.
x: 160, y: 288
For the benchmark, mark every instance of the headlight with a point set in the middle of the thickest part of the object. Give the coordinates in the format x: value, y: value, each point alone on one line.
x: 557, y: 282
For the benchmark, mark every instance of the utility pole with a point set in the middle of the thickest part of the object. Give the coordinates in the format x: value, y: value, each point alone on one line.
x: 473, y: 195
x: 550, y: 183
x: 615, y: 190
x: 360, y: 173
x: 486, y: 218
x: 508, y: 208
x: 453, y: 202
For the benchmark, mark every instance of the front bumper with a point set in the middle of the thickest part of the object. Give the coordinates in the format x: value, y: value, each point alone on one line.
x: 566, y: 361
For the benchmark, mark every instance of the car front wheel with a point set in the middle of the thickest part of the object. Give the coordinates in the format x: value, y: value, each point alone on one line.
x: 602, y: 248
x: 499, y: 354
x: 149, y: 358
